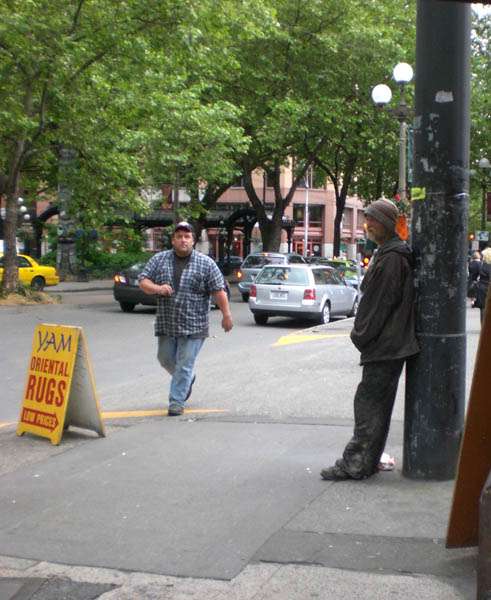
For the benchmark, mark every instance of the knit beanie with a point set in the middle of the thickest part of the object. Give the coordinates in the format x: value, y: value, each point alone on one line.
x: 385, y: 212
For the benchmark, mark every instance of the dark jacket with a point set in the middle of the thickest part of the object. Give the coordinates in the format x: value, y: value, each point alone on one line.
x: 384, y: 327
x: 483, y: 285
x: 474, y: 268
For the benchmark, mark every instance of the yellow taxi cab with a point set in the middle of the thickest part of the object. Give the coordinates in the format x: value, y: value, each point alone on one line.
x: 32, y: 273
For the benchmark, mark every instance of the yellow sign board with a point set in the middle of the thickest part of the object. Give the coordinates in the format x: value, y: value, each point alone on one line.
x: 60, y: 389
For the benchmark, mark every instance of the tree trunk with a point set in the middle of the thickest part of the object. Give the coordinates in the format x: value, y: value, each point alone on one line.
x: 66, y: 258
x: 337, y: 232
x: 270, y: 234
x: 341, y: 195
x: 10, y: 270
x: 271, y: 227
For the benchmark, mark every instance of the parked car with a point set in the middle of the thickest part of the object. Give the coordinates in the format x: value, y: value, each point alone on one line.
x: 347, y: 268
x: 229, y: 264
x: 253, y: 263
x: 128, y: 293
x: 32, y: 273
x: 301, y: 291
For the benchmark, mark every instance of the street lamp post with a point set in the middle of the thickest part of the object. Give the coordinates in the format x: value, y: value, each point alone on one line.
x: 382, y: 95
x: 485, y: 165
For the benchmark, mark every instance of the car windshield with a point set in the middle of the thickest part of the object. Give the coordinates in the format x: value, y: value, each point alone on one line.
x: 256, y: 261
x: 343, y: 268
x: 136, y: 269
x: 282, y: 276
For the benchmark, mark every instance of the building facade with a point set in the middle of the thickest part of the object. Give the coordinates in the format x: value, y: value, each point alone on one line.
x: 318, y: 204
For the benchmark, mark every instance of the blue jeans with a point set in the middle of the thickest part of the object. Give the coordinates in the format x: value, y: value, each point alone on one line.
x: 177, y: 355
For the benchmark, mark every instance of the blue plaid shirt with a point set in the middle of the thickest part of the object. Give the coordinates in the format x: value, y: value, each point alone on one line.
x: 186, y: 311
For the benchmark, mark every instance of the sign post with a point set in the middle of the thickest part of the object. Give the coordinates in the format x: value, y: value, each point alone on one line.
x: 60, y: 389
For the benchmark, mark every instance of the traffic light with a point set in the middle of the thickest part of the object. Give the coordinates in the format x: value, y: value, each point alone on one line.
x: 471, y: 237
x: 365, y: 262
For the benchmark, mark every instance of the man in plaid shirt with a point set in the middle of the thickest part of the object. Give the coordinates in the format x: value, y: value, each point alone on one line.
x: 183, y: 279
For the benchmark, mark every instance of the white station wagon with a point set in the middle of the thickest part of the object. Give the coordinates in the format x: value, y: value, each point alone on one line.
x: 301, y: 291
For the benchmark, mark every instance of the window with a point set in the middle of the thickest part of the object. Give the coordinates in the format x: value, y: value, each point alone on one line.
x: 296, y: 259
x: 315, y: 214
x: 238, y: 183
x: 360, y: 218
x: 319, y: 276
x: 269, y: 177
x: 347, y: 218
x: 283, y: 275
x: 23, y: 262
x: 332, y: 277
x: 258, y: 261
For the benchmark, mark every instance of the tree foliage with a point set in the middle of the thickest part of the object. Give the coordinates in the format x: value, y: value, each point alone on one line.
x: 303, y: 89
x: 480, y: 115
x: 147, y: 91
x: 83, y: 75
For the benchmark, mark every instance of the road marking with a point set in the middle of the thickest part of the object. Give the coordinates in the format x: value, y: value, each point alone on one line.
x: 128, y: 414
x: 300, y: 338
x: 156, y: 413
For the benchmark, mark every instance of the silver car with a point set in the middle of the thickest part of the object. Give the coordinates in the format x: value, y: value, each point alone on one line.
x: 301, y: 291
x: 253, y: 263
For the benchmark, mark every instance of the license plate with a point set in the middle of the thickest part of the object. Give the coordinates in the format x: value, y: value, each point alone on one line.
x: 279, y: 295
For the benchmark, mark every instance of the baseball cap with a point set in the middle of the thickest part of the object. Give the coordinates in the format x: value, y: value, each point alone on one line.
x: 185, y: 226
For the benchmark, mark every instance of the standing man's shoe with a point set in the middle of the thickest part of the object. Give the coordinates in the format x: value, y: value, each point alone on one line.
x: 334, y: 473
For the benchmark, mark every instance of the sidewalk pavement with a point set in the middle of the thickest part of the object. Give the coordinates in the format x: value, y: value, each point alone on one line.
x: 219, y: 508
x: 95, y: 285
x: 80, y: 286
x: 216, y: 509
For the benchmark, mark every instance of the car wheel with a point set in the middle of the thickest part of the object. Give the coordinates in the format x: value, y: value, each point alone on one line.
x: 127, y: 306
x: 38, y: 284
x: 245, y: 297
x: 325, y: 315
x: 354, y: 310
x: 261, y: 319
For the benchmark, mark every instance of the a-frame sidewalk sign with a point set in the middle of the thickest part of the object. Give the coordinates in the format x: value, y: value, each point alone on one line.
x: 60, y: 386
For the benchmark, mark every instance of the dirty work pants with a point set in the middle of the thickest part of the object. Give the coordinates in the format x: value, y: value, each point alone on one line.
x: 374, y: 400
x: 177, y: 355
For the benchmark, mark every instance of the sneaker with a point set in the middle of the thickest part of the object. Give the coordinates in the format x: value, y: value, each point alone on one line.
x: 190, y: 387
x: 334, y: 473
x: 175, y: 410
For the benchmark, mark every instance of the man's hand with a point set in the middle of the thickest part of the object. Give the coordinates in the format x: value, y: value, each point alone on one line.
x: 149, y: 287
x: 165, y: 290
x: 227, y: 323
x: 222, y: 303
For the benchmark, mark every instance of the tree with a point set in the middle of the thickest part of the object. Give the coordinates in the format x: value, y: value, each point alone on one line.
x: 60, y: 59
x: 480, y: 114
x: 303, y: 89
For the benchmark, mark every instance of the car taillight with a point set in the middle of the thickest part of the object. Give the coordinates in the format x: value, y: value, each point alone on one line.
x: 253, y: 292
x: 309, y: 294
x: 119, y: 278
